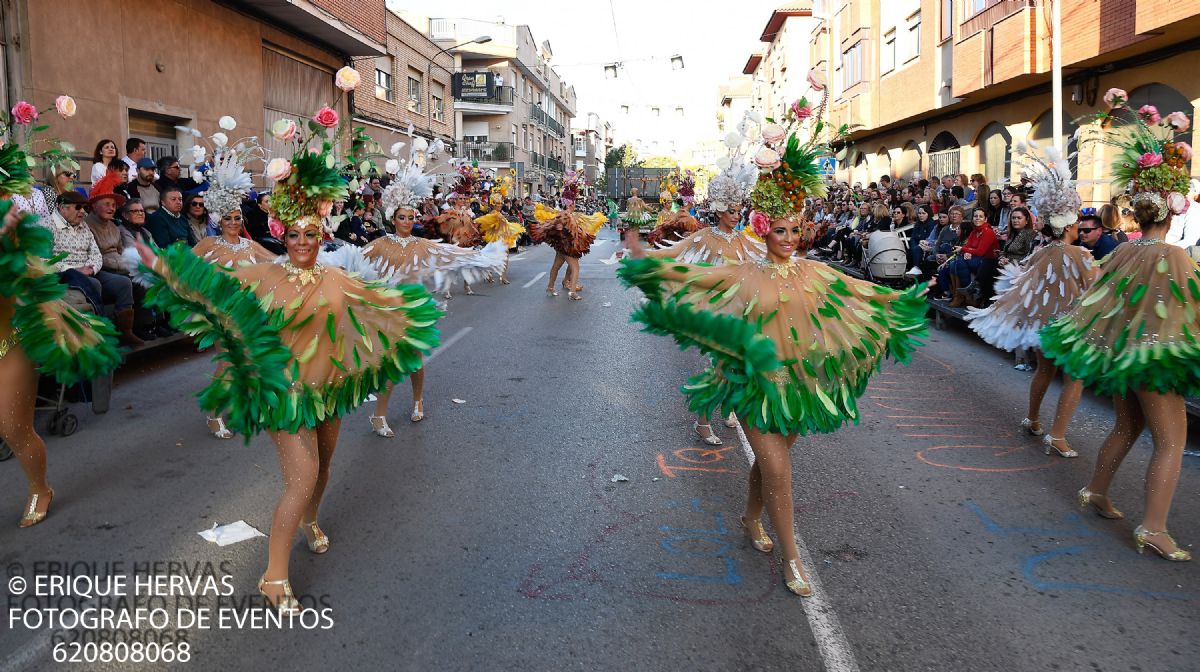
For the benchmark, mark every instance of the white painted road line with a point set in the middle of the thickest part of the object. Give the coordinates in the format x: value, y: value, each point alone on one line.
x: 822, y: 619
x: 537, y: 277
x: 449, y: 342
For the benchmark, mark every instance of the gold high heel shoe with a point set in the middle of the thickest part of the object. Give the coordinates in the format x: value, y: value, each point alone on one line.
x: 418, y: 411
x: 1049, y: 441
x: 319, y: 542
x: 288, y: 604
x: 712, y: 439
x: 1139, y: 539
x: 32, y: 515
x: 1032, y: 426
x: 381, y: 428
x: 797, y: 584
x: 221, y: 431
x: 574, y: 296
x: 551, y: 291
x: 757, y: 535
x: 731, y: 420
x: 1085, y: 499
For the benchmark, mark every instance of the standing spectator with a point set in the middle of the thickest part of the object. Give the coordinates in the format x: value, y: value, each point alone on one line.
x: 142, y: 187
x: 167, y: 224
x: 81, y: 266
x: 102, y: 157
x: 1093, y: 237
x: 135, y: 151
x: 198, y: 219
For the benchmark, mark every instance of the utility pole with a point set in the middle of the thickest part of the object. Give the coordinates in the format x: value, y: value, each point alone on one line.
x: 1056, y: 75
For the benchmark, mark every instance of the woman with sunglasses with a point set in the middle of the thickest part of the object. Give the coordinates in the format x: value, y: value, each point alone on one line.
x: 197, y: 215
x: 401, y: 257
x: 1133, y: 335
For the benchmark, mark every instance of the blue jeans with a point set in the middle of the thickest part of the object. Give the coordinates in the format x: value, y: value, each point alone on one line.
x: 961, y: 268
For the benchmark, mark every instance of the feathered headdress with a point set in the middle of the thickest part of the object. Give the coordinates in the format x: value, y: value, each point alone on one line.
x: 1054, y: 195
x: 1150, y: 159
x: 23, y: 150
x: 737, y: 177
x: 307, y: 183
x: 228, y: 180
x: 501, y: 187
x: 410, y: 183
x: 570, y: 190
x: 788, y: 164
x: 469, y: 177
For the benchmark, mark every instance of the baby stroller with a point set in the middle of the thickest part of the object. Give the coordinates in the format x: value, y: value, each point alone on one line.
x: 885, y: 257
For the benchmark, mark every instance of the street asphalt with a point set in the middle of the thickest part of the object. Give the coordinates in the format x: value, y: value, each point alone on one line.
x: 499, y: 534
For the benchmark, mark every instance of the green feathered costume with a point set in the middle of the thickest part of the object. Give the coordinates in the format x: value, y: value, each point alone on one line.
x: 792, y: 345
x: 1137, y: 327
x: 64, y: 343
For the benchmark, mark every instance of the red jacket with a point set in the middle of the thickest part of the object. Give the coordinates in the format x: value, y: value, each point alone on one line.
x: 982, y: 242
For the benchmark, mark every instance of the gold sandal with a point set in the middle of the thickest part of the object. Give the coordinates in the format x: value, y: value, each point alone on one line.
x: 1139, y: 540
x: 288, y: 604
x: 797, y: 584
x: 757, y: 535
x: 32, y: 515
x: 319, y: 543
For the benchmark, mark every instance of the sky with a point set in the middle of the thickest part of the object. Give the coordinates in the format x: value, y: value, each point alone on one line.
x: 714, y: 38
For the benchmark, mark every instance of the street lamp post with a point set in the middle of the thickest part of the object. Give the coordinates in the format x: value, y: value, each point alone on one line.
x: 1056, y: 75
x: 482, y: 39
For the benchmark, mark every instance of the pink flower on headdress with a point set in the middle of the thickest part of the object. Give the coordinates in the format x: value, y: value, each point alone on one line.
x: 816, y: 80
x: 801, y: 112
x: 1179, y: 121
x: 1150, y: 114
x: 326, y: 117
x: 23, y: 113
x: 1150, y: 159
x: 760, y: 223
x: 767, y: 159
x: 1115, y: 97
x: 275, y: 227
x: 1185, y: 150
x: 1177, y: 202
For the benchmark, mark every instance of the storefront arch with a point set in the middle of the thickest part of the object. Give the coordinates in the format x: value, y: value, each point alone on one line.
x: 995, y: 152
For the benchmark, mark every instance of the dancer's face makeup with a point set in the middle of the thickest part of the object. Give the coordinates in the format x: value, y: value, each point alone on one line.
x: 404, y: 219
x: 303, y: 246
x: 783, y: 239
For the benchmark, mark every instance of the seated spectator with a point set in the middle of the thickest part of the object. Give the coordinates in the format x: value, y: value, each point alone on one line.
x: 142, y: 187
x: 167, y: 224
x: 1093, y: 237
x: 1021, y: 237
x: 103, y: 157
x: 121, y: 177
x: 923, y: 227
x: 959, y: 274
x: 352, y: 228
x: 198, y: 218
x: 82, y: 265
x: 103, y: 205
x: 133, y: 223
x: 255, y: 219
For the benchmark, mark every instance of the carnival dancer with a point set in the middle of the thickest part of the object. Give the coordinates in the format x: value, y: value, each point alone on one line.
x: 1044, y: 287
x: 1133, y: 335
x: 719, y: 244
x: 305, y: 344
x: 570, y: 234
x: 677, y: 223
x: 229, y: 183
x: 404, y: 258
x: 38, y: 330
x: 637, y: 213
x: 495, y: 227
x: 793, y: 342
x: 457, y: 225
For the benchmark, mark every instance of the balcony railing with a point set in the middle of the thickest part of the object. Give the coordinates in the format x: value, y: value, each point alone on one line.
x: 503, y: 96
x: 539, y: 115
x: 488, y: 151
x: 554, y: 165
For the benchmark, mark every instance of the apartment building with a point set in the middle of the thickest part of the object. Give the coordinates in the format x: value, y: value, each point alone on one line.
x: 593, y: 138
x: 409, y: 84
x: 735, y: 99
x: 950, y: 86
x: 779, y: 67
x: 183, y: 63
x: 512, y: 108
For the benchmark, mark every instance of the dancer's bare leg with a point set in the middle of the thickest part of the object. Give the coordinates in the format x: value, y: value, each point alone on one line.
x: 418, y: 392
x: 1038, y: 386
x: 327, y: 439
x: 504, y: 274
x: 558, y: 262
x: 1166, y: 416
x: 1129, y: 425
x: 772, y: 457
x: 18, y: 396
x: 573, y: 275
x: 300, y: 463
x: 1068, y: 401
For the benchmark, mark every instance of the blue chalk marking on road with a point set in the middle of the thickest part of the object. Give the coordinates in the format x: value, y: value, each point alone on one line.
x: 730, y: 577
x: 721, y: 547
x: 1077, y: 529
x: 1031, y: 564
